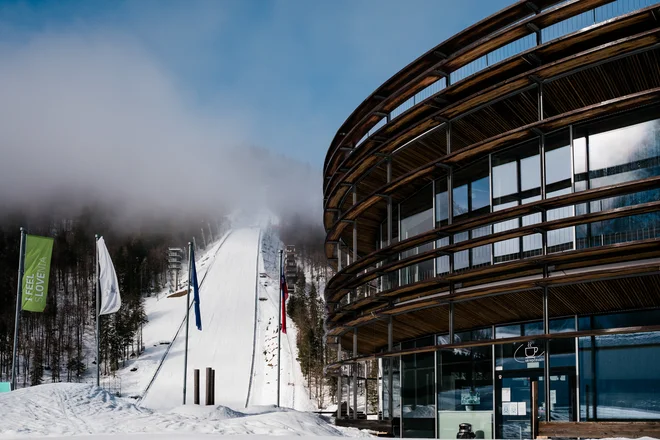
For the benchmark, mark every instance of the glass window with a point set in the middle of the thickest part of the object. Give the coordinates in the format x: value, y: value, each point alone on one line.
x: 516, y: 178
x: 443, y: 261
x: 460, y: 194
x: 391, y: 363
x: 480, y: 194
x: 417, y: 213
x: 465, y: 390
x: 482, y: 334
x: 441, y: 202
x: 471, y: 191
x: 620, y: 377
x: 472, y: 198
x: 558, y: 182
x: 611, y: 151
x: 516, y: 174
x: 417, y: 218
x: 418, y: 395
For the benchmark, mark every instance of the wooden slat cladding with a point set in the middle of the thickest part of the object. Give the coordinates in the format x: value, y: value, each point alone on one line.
x: 488, y: 342
x: 648, y: 76
x: 513, y: 270
x: 549, y: 52
x: 607, y: 81
x: 604, y: 296
x: 609, y: 295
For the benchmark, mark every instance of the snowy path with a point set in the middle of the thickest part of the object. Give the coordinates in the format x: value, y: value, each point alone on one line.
x: 226, y: 341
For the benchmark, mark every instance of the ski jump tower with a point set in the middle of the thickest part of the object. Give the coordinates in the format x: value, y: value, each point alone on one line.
x: 290, y: 267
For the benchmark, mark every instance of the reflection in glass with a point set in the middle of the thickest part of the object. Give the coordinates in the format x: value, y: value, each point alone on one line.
x: 442, y: 263
x: 609, y: 152
x: 620, y: 377
x: 558, y: 182
x: 516, y: 178
x: 441, y: 203
x: 392, y: 363
x: 471, y: 191
x: 417, y: 218
x: 417, y: 394
x: 465, y: 390
x: 471, y: 194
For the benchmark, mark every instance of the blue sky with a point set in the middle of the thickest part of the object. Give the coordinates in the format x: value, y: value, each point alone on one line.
x: 286, y: 72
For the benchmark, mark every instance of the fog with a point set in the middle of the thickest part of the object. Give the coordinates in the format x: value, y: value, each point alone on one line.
x: 98, y: 120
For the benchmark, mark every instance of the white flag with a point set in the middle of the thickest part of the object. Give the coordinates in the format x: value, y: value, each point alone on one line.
x: 108, y: 284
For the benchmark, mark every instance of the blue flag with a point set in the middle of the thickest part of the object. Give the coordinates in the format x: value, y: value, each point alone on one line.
x: 195, y: 288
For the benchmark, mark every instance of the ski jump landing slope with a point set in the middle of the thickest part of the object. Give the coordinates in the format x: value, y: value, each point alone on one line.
x: 227, y: 303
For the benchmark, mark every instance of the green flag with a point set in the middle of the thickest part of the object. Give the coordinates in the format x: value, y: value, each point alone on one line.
x: 38, y: 251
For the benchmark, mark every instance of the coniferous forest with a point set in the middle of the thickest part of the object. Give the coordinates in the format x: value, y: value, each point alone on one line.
x: 59, y: 344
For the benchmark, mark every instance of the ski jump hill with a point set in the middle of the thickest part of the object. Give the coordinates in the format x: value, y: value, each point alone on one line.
x: 227, y: 302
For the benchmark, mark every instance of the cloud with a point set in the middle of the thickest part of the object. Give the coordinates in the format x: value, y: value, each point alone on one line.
x: 95, y: 115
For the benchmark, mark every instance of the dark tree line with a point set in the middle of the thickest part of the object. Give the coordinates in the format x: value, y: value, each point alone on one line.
x: 59, y: 344
x: 307, y: 307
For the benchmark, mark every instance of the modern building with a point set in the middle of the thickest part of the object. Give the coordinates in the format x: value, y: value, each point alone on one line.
x: 492, y: 214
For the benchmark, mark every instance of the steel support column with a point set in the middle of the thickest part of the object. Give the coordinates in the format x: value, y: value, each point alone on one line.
x: 339, y: 380
x: 546, y: 366
x: 390, y: 372
x: 451, y: 322
x: 355, y: 372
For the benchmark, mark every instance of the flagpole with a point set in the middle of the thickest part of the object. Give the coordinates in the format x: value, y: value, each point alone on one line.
x: 98, y: 310
x: 185, y: 356
x: 19, y: 294
x: 279, y: 333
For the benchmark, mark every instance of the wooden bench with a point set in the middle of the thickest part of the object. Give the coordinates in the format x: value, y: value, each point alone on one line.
x: 632, y: 429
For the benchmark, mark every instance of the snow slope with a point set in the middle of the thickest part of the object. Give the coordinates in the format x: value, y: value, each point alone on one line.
x: 165, y: 316
x: 227, y: 302
x: 66, y: 409
x: 293, y: 392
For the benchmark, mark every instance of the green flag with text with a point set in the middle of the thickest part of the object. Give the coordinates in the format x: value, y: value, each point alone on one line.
x: 38, y: 251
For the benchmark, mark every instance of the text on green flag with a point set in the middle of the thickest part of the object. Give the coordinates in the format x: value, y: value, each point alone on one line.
x: 38, y: 251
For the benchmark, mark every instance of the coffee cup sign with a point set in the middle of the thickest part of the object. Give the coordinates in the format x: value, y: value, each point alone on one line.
x: 529, y: 354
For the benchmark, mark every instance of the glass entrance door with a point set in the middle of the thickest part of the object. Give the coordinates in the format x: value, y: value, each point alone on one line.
x: 516, y: 401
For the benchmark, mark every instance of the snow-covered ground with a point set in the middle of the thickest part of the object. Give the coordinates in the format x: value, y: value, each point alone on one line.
x: 166, y: 317
x: 227, y: 303
x: 293, y: 393
x: 66, y: 409
x: 239, y: 317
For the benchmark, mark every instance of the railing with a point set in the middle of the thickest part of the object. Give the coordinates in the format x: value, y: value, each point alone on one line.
x: 519, y: 248
x: 550, y: 33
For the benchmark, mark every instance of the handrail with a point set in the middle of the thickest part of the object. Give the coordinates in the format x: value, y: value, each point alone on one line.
x: 499, y: 216
x: 551, y: 225
x: 427, y: 288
